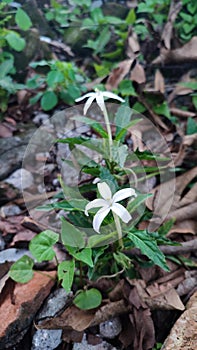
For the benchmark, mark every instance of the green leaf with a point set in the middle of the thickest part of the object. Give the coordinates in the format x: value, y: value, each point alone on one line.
x: 85, y: 255
x: 5, y: 68
x: 191, y: 126
x: 162, y: 109
x: 122, y: 118
x: 66, y: 270
x: 131, y: 17
x: 101, y: 240
x: 88, y: 299
x: 135, y: 203
x: 54, y: 77
x: 122, y: 260
x: 148, y: 247
x: 119, y: 154
x: 21, y: 271
x: 121, y: 134
x: 94, y: 144
x: 95, y: 125
x: 126, y: 88
x: 41, y: 245
x: 139, y: 107
x: 22, y: 19
x: 49, y: 100
x: 15, y: 41
x: 71, y: 236
x: 165, y: 228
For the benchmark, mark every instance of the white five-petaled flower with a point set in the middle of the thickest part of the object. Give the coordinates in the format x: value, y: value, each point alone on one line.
x: 109, y: 202
x: 99, y: 96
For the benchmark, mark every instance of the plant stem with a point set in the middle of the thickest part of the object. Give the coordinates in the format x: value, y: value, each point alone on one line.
x: 119, y: 229
x: 108, y: 130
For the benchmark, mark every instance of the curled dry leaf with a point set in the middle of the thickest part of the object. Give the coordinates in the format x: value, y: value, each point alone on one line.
x: 159, y: 83
x: 133, y: 47
x: 187, y: 52
x: 174, y: 10
x: 118, y: 74
x: 138, y: 74
x: 184, y: 227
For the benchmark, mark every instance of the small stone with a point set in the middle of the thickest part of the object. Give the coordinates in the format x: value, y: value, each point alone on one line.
x: 111, y: 328
x: 20, y: 179
x: 54, y: 303
x: 83, y: 345
x: 10, y: 210
x: 46, y: 339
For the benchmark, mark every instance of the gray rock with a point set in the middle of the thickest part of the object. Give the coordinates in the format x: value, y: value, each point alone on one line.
x: 10, y: 210
x: 12, y: 150
x: 46, y: 339
x: 20, y: 179
x: 13, y: 254
x: 54, y: 303
x: 111, y: 328
x: 85, y: 346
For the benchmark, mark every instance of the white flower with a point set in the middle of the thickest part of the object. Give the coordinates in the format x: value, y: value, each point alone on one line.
x: 109, y: 202
x: 99, y: 96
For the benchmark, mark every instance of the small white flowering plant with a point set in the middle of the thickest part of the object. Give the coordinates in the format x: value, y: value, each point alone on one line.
x: 100, y: 225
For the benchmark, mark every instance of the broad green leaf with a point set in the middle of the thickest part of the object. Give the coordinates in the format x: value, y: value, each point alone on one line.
x: 131, y: 17
x: 166, y: 227
x: 94, y: 144
x: 101, y: 239
x: 119, y: 154
x: 148, y: 247
x: 95, y: 125
x: 136, y: 202
x: 71, y: 236
x: 5, y: 68
x: 49, y: 100
x: 54, y: 77
x: 122, y: 260
x: 139, y: 107
x: 126, y: 88
x: 22, y: 270
x: 191, y: 126
x: 162, y: 109
x: 22, y: 19
x: 122, y: 118
x: 121, y: 134
x: 15, y: 41
x: 102, y: 40
x: 85, y: 255
x: 66, y: 270
x: 41, y: 245
x: 88, y: 299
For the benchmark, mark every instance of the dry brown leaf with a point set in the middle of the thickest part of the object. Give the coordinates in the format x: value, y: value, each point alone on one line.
x: 133, y: 47
x: 168, y: 28
x: 184, y: 213
x: 163, y: 192
x: 182, y: 114
x: 138, y: 74
x: 118, y: 74
x: 180, y: 89
x: 184, y: 227
x: 189, y: 140
x: 183, y: 335
x: 159, y: 83
x: 186, y: 53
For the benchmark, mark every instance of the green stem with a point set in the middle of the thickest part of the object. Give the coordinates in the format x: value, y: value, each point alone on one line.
x: 108, y: 131
x: 119, y: 229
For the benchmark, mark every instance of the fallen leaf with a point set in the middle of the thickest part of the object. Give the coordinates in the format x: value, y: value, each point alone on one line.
x: 132, y: 46
x: 138, y: 74
x: 118, y: 74
x: 159, y: 83
x: 174, y: 10
x: 186, y: 53
x: 184, y: 227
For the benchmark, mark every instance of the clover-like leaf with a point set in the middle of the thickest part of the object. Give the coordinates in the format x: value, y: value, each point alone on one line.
x: 22, y: 270
x: 41, y: 245
x: 88, y: 299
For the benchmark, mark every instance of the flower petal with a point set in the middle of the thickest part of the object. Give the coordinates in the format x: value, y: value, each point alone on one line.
x: 88, y: 104
x: 100, y: 100
x: 124, y: 193
x: 112, y: 95
x: 99, y: 217
x: 123, y: 213
x: 96, y: 203
x: 89, y: 94
x: 104, y: 191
